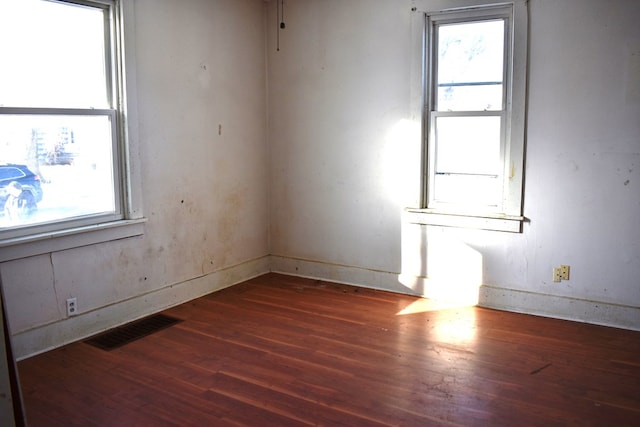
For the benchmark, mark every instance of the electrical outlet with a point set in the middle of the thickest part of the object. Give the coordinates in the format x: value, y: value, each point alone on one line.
x: 557, y: 275
x: 72, y: 307
x: 564, y: 272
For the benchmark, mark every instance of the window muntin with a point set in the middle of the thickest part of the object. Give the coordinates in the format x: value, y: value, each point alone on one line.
x: 58, y: 113
x: 469, y: 76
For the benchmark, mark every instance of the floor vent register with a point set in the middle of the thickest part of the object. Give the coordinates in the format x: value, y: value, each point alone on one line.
x: 125, y: 334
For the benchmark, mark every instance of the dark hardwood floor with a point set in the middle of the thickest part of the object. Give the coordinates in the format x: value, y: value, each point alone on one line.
x: 280, y: 351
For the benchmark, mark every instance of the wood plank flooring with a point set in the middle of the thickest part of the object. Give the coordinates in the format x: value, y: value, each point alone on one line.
x: 285, y: 351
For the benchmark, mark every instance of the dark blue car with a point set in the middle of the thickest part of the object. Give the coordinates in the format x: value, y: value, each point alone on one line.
x: 28, y: 181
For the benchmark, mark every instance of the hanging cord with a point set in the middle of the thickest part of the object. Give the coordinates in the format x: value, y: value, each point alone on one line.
x: 279, y: 21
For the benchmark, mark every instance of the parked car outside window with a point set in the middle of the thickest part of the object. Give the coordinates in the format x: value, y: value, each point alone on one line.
x: 20, y: 191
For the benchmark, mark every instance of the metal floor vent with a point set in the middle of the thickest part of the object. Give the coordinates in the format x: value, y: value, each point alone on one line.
x: 122, y: 335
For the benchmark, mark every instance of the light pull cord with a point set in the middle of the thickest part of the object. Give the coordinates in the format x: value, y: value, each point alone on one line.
x: 279, y: 21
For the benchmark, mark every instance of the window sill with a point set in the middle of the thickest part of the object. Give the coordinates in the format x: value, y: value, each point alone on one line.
x: 37, y: 244
x: 512, y: 224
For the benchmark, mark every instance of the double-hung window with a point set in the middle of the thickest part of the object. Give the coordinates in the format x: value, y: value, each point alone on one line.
x: 474, y: 103
x: 62, y: 155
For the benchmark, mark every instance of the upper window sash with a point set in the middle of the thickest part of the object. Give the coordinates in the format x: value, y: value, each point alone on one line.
x: 50, y: 74
x: 489, y: 79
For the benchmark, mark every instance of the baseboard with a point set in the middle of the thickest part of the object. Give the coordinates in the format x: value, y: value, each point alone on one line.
x: 559, y: 307
x: 348, y: 275
x: 46, y: 337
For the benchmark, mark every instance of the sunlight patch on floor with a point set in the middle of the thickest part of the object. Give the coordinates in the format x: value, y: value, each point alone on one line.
x: 425, y: 305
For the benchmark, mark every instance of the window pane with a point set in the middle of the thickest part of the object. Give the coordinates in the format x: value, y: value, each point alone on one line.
x: 467, y: 160
x: 467, y: 190
x: 470, y: 66
x: 53, y: 55
x: 468, y: 145
x: 55, y: 167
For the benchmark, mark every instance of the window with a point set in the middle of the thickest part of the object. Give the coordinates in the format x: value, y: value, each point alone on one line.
x: 62, y: 157
x: 474, y: 101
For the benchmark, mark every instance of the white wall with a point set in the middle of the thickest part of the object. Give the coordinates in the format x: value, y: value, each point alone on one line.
x: 199, y: 65
x: 320, y: 182
x: 345, y: 144
x: 339, y: 87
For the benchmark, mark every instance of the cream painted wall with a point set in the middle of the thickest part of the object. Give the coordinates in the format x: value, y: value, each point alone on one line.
x: 317, y: 186
x: 345, y: 145
x: 339, y: 88
x: 203, y: 160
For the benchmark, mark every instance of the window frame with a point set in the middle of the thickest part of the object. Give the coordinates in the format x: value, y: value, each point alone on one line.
x: 128, y: 219
x: 509, y: 215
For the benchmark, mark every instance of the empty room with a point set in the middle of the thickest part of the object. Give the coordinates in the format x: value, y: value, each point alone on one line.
x: 320, y: 212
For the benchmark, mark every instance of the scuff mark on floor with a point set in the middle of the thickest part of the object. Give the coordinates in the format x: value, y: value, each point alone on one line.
x: 537, y: 371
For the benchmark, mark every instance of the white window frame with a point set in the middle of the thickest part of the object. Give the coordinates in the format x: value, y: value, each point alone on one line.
x: 508, y: 216
x: 128, y: 220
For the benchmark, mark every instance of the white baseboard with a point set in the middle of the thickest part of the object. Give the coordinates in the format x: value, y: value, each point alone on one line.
x: 337, y: 273
x: 559, y: 307
x: 46, y: 337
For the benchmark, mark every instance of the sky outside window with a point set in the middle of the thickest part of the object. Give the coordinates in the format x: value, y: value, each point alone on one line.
x: 56, y: 52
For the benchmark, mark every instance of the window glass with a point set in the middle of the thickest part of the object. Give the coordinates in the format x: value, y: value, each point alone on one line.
x: 468, y: 145
x: 57, y: 124
x: 64, y: 163
x: 467, y: 160
x: 470, y: 66
x: 467, y: 191
x: 53, y: 55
